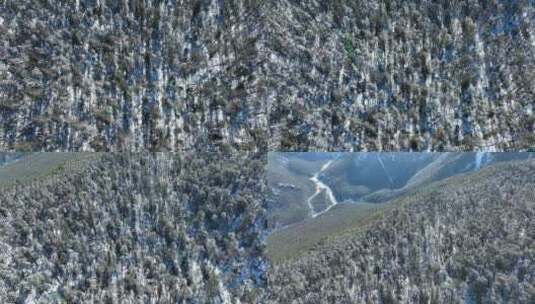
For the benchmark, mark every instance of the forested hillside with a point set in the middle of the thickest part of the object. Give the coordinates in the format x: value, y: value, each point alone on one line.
x: 402, y: 75
x: 131, y: 75
x: 249, y: 75
x: 466, y: 239
x: 134, y: 228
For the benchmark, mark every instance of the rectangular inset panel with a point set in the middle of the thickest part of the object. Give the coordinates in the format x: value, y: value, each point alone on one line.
x: 401, y: 227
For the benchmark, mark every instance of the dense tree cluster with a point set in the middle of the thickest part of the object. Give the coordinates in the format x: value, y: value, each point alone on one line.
x: 136, y: 228
x: 353, y: 75
x: 402, y: 75
x: 130, y: 75
x: 468, y: 239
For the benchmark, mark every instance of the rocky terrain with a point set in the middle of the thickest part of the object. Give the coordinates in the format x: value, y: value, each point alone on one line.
x: 132, y: 228
x: 253, y: 75
x: 465, y: 239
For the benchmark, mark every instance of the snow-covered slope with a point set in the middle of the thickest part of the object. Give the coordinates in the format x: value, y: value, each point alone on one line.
x: 466, y: 239
x: 326, y: 75
x: 132, y: 228
x: 308, y: 186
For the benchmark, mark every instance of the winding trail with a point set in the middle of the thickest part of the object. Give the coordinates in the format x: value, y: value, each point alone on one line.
x: 319, y: 187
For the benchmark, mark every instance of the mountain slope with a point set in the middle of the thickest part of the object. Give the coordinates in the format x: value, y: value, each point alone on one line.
x: 378, y: 177
x: 294, y: 241
x: 131, y: 228
x: 333, y: 75
x: 288, y: 179
x: 35, y: 166
x: 355, y: 175
x: 402, y: 75
x: 467, y: 239
x: 412, y: 170
x: 131, y: 75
